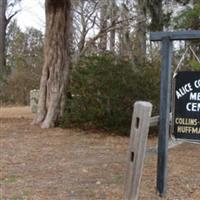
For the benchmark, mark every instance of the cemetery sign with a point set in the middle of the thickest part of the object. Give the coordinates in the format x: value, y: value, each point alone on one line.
x: 187, y: 105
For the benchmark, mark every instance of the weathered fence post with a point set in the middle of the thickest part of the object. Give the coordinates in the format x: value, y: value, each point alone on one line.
x: 137, y: 148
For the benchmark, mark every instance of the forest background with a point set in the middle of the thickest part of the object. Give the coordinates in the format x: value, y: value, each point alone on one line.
x: 112, y: 64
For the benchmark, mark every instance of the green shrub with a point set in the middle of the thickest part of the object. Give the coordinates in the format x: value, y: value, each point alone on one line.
x: 104, y: 89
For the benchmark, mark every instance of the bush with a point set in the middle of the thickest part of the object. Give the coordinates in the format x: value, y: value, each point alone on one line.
x: 104, y: 89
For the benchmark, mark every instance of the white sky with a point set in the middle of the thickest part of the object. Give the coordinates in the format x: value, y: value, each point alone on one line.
x: 31, y: 14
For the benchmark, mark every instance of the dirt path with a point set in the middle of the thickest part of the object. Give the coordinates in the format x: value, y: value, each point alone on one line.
x: 58, y: 164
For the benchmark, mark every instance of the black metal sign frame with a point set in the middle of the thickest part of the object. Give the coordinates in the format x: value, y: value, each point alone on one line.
x: 165, y: 98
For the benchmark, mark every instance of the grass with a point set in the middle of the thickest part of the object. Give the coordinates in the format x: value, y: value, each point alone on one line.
x: 9, y: 180
x: 16, y: 198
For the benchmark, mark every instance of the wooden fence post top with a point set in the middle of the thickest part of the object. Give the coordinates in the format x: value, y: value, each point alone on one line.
x: 143, y: 103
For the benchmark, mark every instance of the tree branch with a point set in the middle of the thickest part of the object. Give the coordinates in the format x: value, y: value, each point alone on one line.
x: 11, y: 16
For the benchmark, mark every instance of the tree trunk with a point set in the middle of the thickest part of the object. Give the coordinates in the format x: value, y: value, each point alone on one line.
x: 56, y: 65
x: 112, y: 40
x: 103, y: 26
x: 156, y: 12
x: 113, y: 24
x: 121, y: 43
x: 141, y: 29
x: 125, y: 43
x: 3, y: 4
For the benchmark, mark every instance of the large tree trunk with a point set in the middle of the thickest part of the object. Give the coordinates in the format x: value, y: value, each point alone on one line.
x: 56, y: 66
x: 3, y: 4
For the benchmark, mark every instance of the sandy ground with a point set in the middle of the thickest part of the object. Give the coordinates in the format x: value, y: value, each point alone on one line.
x: 68, y: 164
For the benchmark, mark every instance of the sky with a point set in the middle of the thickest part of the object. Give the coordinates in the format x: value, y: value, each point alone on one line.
x: 31, y: 14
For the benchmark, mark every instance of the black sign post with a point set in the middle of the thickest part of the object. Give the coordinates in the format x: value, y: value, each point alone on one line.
x: 187, y: 105
x: 165, y: 97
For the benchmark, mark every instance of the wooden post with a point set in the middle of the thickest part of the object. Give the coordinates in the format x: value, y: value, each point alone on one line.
x: 137, y: 148
x: 165, y: 97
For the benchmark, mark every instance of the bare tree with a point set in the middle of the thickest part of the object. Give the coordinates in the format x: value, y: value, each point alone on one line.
x: 84, y: 20
x: 93, y: 21
x: 103, y: 25
x: 3, y: 4
x: 125, y: 43
x: 56, y: 65
x: 113, y: 9
x: 4, y: 21
x: 141, y: 29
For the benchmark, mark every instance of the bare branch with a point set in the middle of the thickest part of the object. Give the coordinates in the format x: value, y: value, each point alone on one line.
x: 11, y: 16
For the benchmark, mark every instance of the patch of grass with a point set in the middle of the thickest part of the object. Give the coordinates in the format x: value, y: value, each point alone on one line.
x: 26, y: 193
x: 9, y: 180
x: 16, y: 198
x: 117, y: 179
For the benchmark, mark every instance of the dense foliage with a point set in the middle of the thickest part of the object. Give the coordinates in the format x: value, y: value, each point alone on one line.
x: 103, y: 90
x: 189, y: 18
